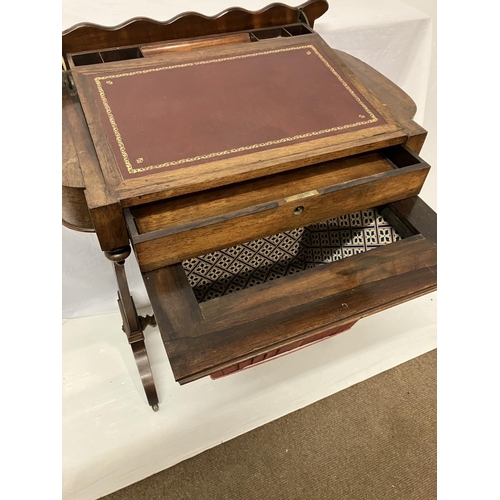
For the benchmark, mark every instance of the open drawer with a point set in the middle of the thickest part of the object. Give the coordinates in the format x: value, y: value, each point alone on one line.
x: 173, y: 230
x: 218, y: 336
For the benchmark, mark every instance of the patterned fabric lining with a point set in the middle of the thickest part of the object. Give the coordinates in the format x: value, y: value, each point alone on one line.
x: 267, y: 259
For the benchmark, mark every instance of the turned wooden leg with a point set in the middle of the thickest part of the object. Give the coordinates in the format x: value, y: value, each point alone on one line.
x: 133, y: 324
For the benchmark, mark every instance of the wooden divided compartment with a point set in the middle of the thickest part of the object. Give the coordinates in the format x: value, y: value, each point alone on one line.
x: 105, y: 56
x: 153, y: 49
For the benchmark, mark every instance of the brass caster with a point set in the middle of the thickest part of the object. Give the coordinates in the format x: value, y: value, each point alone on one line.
x: 155, y: 407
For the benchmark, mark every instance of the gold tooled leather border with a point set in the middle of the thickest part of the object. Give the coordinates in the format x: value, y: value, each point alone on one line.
x: 132, y: 170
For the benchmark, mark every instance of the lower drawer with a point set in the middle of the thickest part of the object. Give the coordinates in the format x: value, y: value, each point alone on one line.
x: 214, y: 323
x: 174, y: 230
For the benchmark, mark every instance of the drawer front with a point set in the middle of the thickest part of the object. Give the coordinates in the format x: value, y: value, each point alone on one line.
x: 180, y: 242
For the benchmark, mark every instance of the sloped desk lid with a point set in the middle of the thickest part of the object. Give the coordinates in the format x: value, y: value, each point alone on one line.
x: 176, y: 114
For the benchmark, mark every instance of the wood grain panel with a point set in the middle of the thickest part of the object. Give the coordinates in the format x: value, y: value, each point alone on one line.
x: 317, y: 283
x: 187, y: 45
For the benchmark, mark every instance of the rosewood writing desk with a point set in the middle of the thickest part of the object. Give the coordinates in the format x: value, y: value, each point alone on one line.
x: 267, y: 183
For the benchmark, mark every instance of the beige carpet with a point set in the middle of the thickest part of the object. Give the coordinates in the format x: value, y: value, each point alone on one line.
x: 375, y: 440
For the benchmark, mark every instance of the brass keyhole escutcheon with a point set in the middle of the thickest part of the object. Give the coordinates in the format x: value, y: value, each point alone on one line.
x: 298, y: 210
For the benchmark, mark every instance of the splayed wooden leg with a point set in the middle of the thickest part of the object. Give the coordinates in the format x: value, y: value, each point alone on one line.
x: 134, y: 325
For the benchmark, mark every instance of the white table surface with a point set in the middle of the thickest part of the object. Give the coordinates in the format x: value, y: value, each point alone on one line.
x: 111, y: 438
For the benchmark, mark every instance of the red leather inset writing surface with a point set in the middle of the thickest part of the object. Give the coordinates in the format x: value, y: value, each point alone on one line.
x: 171, y: 117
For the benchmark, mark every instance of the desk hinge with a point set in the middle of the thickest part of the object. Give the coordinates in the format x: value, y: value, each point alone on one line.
x: 68, y: 82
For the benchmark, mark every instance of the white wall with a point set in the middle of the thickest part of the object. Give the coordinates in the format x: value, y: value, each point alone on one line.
x: 429, y: 151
